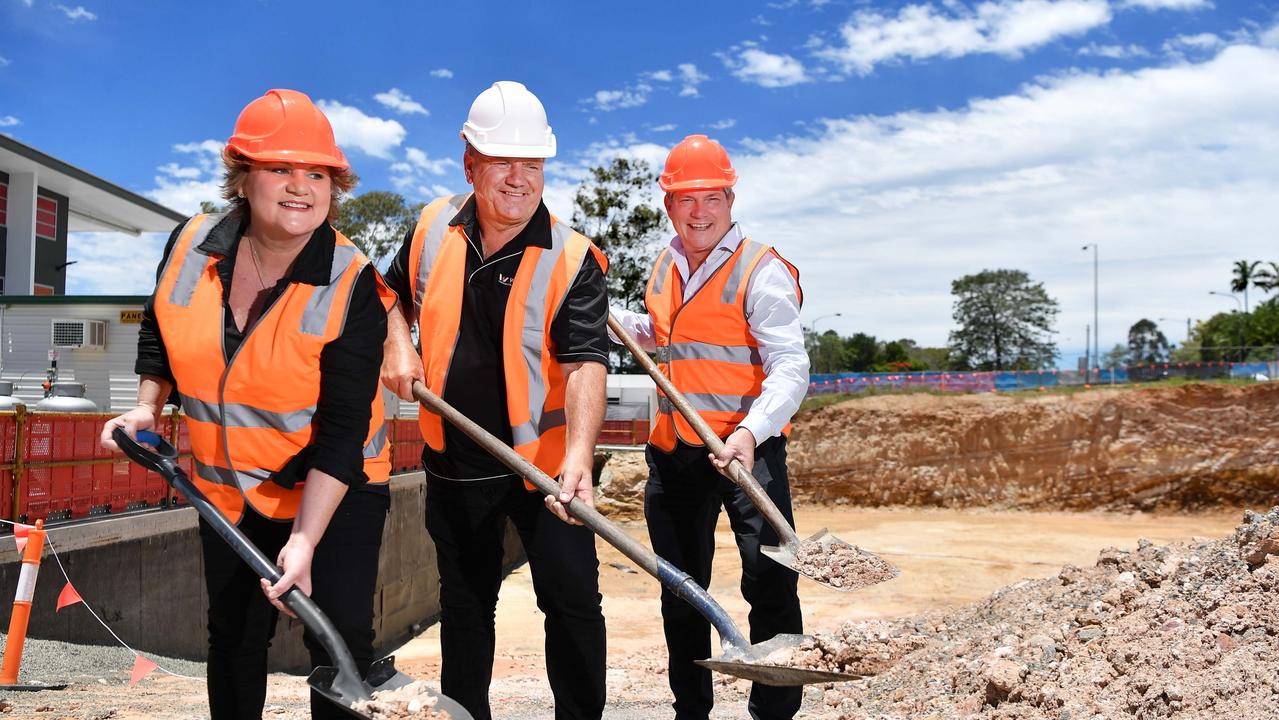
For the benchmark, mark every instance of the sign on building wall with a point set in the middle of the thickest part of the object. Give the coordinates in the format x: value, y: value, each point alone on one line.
x: 130, y: 317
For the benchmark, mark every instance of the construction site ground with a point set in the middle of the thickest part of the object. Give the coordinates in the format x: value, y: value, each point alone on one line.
x: 977, y: 494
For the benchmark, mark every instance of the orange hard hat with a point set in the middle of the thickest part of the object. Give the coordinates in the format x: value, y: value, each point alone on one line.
x: 697, y: 163
x: 285, y: 126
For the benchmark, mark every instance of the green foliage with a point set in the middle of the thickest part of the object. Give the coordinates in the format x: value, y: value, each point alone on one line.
x: 1117, y: 357
x: 1005, y: 322
x: 377, y: 222
x: 831, y: 353
x: 1146, y: 344
x: 609, y: 208
x: 211, y: 207
x: 1267, y: 279
x: 1245, y: 276
x: 1239, y: 336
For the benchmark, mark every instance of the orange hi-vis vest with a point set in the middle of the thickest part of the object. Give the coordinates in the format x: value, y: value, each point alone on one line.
x: 705, y: 345
x: 534, y: 380
x: 250, y: 416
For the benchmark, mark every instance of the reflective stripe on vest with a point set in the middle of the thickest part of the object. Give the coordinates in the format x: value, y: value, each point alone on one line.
x: 250, y: 416
x: 534, y: 381
x: 704, y: 344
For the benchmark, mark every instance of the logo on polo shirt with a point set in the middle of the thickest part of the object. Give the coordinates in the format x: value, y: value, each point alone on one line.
x: 506, y: 280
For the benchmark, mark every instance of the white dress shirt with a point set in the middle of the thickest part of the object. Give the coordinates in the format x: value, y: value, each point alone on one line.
x: 772, y: 311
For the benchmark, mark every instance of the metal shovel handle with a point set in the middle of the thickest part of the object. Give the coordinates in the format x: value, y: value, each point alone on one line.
x: 674, y: 579
x: 737, y: 472
x: 163, y: 460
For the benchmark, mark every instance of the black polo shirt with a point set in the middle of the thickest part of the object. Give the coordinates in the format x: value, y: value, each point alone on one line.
x: 476, y: 382
x: 350, y: 364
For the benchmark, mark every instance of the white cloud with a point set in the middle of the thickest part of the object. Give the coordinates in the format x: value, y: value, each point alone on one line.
x: 691, y: 78
x: 76, y: 13
x: 436, y: 167
x: 1168, y: 4
x: 414, y: 174
x: 1114, y: 52
x: 610, y: 100
x: 1270, y: 38
x: 400, y: 102
x: 920, y: 32
x: 113, y: 263
x: 1172, y: 170
x: 661, y: 75
x: 1200, y: 42
x: 723, y: 124
x: 9, y: 121
x: 766, y: 69
x: 663, y: 128
x: 183, y: 186
x: 353, y: 129
x: 5, y: 62
x: 442, y: 73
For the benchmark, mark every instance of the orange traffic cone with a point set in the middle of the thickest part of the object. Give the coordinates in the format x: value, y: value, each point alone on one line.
x: 22, y: 613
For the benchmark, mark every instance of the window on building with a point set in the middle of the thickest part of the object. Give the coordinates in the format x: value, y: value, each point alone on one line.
x: 46, y: 218
x: 4, y: 204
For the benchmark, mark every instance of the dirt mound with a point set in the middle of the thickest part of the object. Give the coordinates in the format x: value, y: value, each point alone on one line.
x: 620, y: 495
x: 1185, y: 630
x: 1192, y: 446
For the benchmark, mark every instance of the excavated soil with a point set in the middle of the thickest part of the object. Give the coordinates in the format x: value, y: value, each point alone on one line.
x: 1188, y: 630
x: 1172, y: 448
x: 414, y: 701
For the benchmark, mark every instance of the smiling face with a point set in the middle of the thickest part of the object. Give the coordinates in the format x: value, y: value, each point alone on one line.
x: 507, y: 190
x: 287, y: 199
x: 700, y: 217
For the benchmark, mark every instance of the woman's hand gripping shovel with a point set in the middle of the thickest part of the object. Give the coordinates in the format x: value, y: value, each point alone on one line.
x: 341, y: 684
x: 822, y: 557
x: 740, y: 658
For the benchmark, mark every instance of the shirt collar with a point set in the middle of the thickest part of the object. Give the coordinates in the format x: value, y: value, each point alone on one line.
x: 313, y: 265
x: 537, y: 233
x: 729, y: 242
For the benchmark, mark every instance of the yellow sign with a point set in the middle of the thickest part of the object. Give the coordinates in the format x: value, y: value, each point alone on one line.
x: 130, y: 317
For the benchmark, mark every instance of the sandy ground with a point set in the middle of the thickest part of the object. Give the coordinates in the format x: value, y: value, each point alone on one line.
x: 946, y: 557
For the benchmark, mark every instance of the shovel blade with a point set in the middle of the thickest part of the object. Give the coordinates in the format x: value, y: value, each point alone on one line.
x: 788, y: 555
x: 764, y: 663
x: 383, y: 675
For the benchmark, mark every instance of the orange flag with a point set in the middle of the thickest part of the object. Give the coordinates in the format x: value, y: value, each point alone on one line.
x: 142, y: 667
x: 68, y: 596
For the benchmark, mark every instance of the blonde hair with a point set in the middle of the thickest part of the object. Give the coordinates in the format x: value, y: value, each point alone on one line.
x: 237, y: 166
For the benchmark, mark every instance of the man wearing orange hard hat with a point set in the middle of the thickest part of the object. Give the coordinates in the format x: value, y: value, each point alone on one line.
x: 267, y: 326
x: 723, y: 320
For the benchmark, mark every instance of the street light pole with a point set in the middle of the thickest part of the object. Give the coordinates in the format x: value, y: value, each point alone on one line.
x: 1242, y: 316
x: 1096, y: 325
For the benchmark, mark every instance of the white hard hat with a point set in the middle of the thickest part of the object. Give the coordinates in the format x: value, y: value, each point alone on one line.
x: 507, y: 120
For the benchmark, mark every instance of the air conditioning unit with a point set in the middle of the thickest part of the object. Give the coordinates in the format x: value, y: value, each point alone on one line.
x: 79, y: 334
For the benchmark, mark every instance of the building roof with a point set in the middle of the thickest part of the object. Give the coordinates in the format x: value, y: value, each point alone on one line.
x: 138, y: 300
x: 95, y: 204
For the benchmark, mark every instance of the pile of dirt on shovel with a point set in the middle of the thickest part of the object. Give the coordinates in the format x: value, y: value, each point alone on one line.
x: 1189, y: 630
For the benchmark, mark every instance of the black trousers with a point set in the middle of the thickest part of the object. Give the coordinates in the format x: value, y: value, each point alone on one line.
x: 467, y: 523
x: 242, y: 622
x: 682, y: 503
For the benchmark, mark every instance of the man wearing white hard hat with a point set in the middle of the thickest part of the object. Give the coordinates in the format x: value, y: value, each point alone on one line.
x: 511, y: 310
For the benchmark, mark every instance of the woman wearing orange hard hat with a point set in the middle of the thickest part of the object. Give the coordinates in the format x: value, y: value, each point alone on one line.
x: 266, y: 326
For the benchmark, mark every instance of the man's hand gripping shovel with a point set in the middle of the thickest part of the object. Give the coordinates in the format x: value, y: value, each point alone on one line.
x: 342, y: 683
x: 815, y: 558
x: 740, y: 658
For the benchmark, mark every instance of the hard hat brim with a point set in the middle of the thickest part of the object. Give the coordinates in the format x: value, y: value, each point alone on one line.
x: 295, y: 156
x: 515, y: 151
x: 697, y: 185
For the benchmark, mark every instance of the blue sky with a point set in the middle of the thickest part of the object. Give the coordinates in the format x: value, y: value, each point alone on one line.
x: 885, y: 148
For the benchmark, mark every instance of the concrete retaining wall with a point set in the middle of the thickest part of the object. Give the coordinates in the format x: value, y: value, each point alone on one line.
x: 143, y: 575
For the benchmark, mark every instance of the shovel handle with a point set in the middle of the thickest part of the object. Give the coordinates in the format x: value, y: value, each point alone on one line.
x: 674, y: 579
x: 163, y: 460
x: 736, y: 471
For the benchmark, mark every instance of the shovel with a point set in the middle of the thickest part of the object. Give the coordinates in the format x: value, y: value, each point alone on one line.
x: 787, y: 552
x: 740, y: 658
x: 341, y: 684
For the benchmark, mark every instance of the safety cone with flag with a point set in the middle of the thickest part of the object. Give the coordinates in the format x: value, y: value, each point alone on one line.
x: 31, y: 551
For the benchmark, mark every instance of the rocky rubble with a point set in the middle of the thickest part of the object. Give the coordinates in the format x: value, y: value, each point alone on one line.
x: 1186, y: 630
x: 841, y: 565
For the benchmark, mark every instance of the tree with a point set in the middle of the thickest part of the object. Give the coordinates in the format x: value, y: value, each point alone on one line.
x: 1115, y: 357
x: 1005, y: 321
x: 1146, y: 344
x: 211, y: 207
x: 825, y: 352
x: 609, y: 208
x: 1267, y: 278
x: 1245, y: 275
x: 860, y: 352
x: 377, y: 221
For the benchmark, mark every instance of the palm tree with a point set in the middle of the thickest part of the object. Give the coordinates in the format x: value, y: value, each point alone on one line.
x: 1245, y: 275
x: 1267, y: 279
